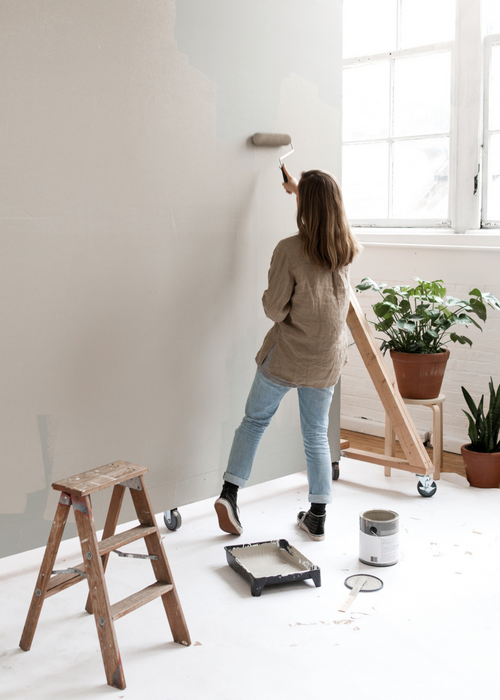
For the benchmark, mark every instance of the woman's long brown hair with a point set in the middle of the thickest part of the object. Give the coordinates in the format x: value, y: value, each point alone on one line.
x: 327, y: 240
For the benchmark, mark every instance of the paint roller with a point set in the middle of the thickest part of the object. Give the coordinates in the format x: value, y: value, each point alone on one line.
x: 274, y: 141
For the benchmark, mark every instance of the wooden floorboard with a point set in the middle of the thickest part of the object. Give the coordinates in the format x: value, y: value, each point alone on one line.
x: 451, y: 462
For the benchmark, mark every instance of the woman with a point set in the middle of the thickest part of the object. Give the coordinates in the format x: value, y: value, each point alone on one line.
x: 308, y: 299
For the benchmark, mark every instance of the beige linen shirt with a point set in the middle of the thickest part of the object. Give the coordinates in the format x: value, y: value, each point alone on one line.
x: 309, y: 307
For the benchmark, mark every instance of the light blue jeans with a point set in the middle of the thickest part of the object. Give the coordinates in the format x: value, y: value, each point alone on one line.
x: 264, y: 398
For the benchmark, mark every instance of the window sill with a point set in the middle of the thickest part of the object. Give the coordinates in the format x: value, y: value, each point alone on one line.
x: 428, y: 238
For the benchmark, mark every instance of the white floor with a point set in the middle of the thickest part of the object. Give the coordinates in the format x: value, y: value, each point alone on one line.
x: 432, y: 631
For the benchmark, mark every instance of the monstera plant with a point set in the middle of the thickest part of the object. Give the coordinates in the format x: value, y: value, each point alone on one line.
x: 418, y: 321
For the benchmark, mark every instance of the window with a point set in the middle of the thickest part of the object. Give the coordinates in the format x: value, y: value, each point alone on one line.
x: 412, y: 115
x: 491, y: 158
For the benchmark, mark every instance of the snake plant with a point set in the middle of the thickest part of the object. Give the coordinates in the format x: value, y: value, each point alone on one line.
x: 484, y: 428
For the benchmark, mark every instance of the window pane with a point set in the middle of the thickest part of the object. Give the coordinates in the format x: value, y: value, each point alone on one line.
x: 422, y: 95
x: 420, y: 179
x: 365, y: 174
x: 369, y: 27
x: 365, y: 112
x: 492, y: 8
x: 493, y: 204
x: 426, y: 22
x: 494, y: 97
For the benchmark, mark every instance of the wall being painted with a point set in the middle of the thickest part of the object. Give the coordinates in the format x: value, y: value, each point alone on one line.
x: 137, y: 224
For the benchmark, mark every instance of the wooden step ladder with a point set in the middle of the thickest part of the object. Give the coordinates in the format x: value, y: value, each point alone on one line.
x: 417, y: 460
x: 76, y: 492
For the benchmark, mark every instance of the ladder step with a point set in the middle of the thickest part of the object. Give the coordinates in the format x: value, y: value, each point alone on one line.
x: 62, y: 581
x: 116, y: 541
x: 136, y: 600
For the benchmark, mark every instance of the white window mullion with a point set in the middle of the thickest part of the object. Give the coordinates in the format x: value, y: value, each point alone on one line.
x: 467, y: 122
x: 400, y: 53
x: 484, y: 175
x: 487, y: 220
x: 391, y: 124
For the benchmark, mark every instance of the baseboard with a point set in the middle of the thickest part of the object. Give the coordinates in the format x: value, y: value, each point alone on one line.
x: 362, y: 425
x: 452, y: 445
x: 371, y: 427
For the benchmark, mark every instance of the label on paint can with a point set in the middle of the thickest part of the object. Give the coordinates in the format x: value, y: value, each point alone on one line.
x: 378, y: 551
x: 379, y: 537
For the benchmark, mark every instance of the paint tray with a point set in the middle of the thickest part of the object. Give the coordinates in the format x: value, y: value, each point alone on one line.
x: 267, y: 563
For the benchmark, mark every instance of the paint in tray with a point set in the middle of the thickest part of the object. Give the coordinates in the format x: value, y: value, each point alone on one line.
x: 272, y: 562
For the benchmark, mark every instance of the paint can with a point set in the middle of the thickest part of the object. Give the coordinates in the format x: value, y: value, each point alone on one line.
x: 379, y: 537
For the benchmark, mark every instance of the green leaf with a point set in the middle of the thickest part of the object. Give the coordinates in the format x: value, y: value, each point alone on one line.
x: 494, y: 411
x: 443, y: 324
x: 383, y: 309
x: 472, y: 429
x: 432, y: 314
x: 478, y: 308
x: 431, y: 334
x: 392, y: 299
x: 405, y: 306
x: 480, y: 413
x: 454, y: 301
x: 384, y: 325
x: 462, y: 339
x: 365, y: 284
x: 405, y: 325
x: 491, y: 301
x: 470, y: 402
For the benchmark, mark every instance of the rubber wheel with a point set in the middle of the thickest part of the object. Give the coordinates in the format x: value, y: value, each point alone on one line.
x: 335, y: 471
x: 427, y: 494
x: 172, y: 519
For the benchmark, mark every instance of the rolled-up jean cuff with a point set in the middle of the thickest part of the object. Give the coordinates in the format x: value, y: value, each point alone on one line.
x: 319, y: 499
x: 236, y: 480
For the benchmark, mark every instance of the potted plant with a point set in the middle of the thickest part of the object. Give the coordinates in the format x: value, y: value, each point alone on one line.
x: 482, y: 454
x: 417, y: 322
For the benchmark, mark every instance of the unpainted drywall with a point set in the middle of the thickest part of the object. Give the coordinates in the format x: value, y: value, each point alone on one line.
x: 137, y: 223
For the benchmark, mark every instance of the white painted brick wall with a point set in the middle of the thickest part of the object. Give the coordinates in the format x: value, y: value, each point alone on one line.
x: 461, y: 271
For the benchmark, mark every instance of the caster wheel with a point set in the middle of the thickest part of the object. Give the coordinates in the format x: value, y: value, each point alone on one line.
x: 172, y: 519
x: 428, y: 491
x: 335, y: 471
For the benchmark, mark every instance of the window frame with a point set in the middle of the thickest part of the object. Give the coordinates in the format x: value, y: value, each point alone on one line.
x: 489, y: 42
x: 467, y: 171
x: 392, y: 57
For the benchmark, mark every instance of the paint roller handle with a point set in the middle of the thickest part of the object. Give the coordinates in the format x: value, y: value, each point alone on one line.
x: 289, y: 182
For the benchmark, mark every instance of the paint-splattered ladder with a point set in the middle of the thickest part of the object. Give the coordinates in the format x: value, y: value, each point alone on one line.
x: 76, y: 492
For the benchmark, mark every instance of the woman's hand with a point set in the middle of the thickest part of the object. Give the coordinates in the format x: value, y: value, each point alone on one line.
x: 292, y: 186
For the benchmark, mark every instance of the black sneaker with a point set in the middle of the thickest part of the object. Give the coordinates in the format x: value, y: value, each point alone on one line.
x: 227, y: 512
x: 314, y: 525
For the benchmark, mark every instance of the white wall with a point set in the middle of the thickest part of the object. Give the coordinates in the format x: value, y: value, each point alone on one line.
x: 137, y: 224
x: 463, y: 262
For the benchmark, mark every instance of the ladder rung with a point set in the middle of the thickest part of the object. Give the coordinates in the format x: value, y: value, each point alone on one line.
x: 111, y: 543
x: 134, y: 601
x: 62, y: 581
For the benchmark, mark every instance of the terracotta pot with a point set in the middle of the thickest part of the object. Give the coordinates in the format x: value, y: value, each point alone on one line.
x: 481, y: 468
x: 419, y: 376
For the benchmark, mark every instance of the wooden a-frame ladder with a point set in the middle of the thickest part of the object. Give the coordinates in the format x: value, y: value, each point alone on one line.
x: 417, y: 460
x: 76, y: 492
